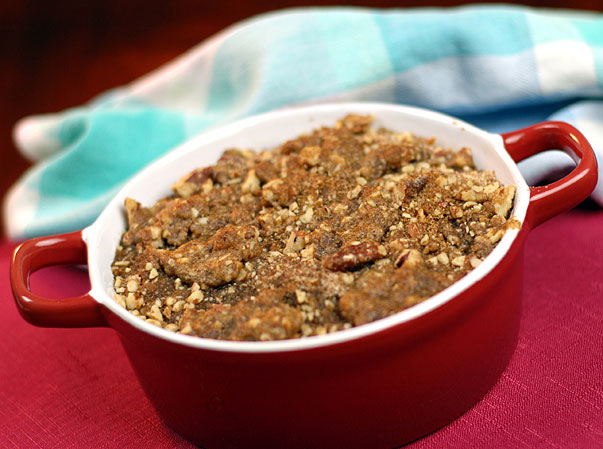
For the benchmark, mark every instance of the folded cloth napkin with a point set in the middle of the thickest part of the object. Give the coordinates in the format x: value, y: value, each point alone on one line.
x: 498, y: 67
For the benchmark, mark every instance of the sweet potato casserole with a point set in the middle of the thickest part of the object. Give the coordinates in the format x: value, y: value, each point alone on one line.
x: 330, y: 230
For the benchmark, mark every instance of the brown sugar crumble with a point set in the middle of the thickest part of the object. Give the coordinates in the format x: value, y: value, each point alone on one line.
x: 330, y: 230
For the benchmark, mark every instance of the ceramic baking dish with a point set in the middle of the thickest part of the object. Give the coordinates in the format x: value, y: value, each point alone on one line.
x: 378, y: 385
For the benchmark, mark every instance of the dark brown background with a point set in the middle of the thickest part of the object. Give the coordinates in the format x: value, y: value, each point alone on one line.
x: 59, y: 54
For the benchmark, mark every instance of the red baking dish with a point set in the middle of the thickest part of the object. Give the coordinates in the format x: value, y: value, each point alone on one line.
x: 378, y: 385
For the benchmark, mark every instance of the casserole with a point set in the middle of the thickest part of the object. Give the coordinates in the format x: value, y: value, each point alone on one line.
x: 377, y: 385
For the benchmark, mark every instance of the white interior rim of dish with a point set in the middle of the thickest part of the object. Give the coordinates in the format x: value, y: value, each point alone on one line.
x: 99, y: 242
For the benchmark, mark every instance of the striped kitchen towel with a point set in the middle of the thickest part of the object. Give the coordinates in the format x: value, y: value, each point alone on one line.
x: 498, y: 67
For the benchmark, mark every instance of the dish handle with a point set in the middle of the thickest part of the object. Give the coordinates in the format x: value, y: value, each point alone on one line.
x: 553, y: 199
x: 34, y: 254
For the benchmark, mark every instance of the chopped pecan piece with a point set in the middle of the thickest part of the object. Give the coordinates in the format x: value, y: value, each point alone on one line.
x: 414, y: 186
x: 356, y: 123
x: 355, y: 254
x: 214, y: 262
x: 138, y: 218
x: 192, y: 182
x: 503, y: 200
x: 232, y: 166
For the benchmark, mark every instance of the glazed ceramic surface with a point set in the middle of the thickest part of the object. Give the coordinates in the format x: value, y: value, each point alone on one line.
x: 377, y: 385
x: 268, y: 131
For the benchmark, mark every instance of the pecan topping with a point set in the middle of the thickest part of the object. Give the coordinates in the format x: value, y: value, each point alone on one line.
x: 332, y: 229
x: 355, y: 254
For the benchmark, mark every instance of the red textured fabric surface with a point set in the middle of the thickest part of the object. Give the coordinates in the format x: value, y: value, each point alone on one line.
x: 74, y: 388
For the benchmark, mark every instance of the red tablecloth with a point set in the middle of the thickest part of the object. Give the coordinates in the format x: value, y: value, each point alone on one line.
x: 74, y: 388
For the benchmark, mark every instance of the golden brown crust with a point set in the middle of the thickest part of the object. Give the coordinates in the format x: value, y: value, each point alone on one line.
x: 333, y: 229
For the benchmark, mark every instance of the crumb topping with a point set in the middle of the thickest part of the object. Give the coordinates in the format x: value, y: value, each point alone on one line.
x: 333, y: 229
